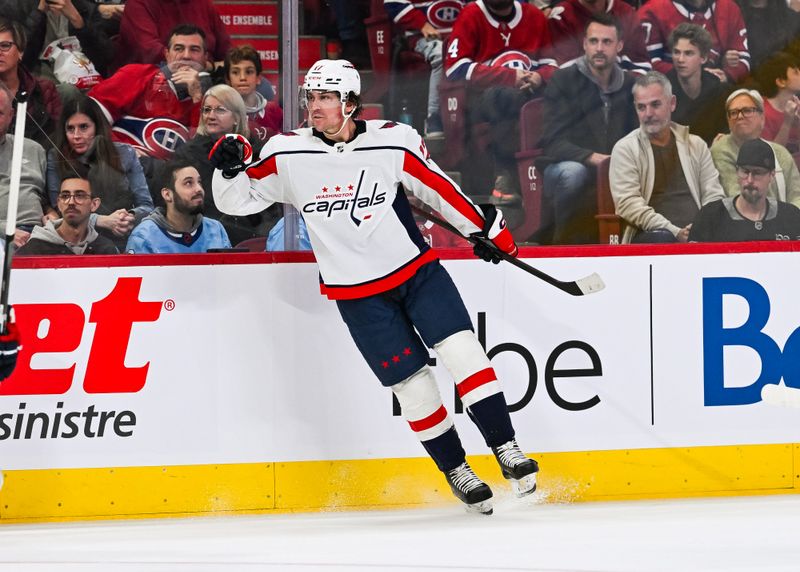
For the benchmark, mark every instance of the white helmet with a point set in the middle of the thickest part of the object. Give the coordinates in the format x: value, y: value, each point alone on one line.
x: 333, y: 75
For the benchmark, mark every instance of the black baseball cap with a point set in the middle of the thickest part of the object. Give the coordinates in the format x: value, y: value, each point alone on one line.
x: 756, y: 153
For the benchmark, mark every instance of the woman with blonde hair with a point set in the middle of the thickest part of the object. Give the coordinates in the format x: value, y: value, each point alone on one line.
x: 222, y: 111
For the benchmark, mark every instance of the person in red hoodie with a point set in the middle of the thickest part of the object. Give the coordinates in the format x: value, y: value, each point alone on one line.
x: 145, y: 24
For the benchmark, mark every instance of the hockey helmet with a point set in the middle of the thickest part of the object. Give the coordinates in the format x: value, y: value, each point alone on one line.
x: 333, y: 75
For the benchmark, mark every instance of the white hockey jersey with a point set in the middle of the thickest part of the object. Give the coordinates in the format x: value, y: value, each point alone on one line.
x: 359, y: 220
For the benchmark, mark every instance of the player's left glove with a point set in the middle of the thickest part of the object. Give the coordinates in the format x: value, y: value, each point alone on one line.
x: 495, y: 230
x: 231, y: 154
x: 9, y: 349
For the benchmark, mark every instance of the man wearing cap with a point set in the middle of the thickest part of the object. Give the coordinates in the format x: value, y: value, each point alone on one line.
x: 750, y: 215
x: 745, y: 111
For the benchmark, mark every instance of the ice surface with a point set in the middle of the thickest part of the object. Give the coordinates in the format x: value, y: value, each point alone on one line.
x: 725, y: 534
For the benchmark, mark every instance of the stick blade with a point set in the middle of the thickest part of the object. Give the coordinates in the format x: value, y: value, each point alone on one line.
x: 590, y: 284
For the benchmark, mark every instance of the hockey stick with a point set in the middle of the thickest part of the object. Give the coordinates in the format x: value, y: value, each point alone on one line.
x: 588, y: 285
x: 13, y: 203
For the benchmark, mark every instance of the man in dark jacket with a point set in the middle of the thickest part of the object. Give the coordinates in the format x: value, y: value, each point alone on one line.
x: 588, y: 108
x: 72, y: 233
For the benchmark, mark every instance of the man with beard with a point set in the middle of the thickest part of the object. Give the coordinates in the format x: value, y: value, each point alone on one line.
x: 660, y: 174
x: 750, y: 215
x: 588, y: 107
x: 179, y: 227
x: 72, y: 234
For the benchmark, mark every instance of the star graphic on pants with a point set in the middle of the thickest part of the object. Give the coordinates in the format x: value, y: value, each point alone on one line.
x: 395, y: 359
x: 385, y: 364
x: 407, y: 352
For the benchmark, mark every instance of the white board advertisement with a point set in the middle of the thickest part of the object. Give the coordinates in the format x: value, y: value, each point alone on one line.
x: 196, y: 364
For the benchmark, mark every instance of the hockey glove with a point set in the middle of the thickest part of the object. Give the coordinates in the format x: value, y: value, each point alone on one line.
x: 231, y: 154
x: 494, y: 237
x: 9, y: 349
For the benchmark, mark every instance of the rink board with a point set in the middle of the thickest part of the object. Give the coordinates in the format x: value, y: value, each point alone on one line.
x: 201, y: 384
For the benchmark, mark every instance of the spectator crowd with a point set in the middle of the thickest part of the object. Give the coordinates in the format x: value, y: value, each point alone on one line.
x: 687, y: 111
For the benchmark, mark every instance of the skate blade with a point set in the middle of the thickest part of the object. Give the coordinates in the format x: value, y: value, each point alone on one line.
x: 483, y: 507
x: 524, y: 486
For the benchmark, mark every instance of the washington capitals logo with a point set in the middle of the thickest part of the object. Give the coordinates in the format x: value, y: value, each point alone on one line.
x: 347, y: 198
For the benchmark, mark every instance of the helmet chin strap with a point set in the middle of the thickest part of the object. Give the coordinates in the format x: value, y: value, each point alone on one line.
x: 345, y: 119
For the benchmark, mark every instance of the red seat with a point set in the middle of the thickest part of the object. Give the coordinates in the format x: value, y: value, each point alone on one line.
x: 530, y: 179
x: 609, y: 223
x: 255, y: 244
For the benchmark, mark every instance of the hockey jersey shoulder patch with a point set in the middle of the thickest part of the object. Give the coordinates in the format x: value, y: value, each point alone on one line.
x: 388, y: 125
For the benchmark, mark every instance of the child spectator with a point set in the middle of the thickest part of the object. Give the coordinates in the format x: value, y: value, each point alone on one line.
x: 243, y: 73
x: 779, y: 81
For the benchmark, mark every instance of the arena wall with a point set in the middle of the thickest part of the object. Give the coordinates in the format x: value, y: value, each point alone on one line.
x: 170, y: 385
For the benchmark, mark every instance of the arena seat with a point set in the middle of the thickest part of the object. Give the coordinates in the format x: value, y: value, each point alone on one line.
x: 255, y: 244
x: 530, y: 179
x: 609, y: 223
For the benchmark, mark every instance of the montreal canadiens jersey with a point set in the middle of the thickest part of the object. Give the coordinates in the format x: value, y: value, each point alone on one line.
x: 351, y: 197
x: 722, y: 19
x: 568, y: 21
x: 478, y: 38
x: 145, y: 111
x: 412, y: 15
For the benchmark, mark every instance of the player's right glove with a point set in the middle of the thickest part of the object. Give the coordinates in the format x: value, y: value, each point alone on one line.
x: 495, y: 230
x: 231, y: 154
x: 9, y: 348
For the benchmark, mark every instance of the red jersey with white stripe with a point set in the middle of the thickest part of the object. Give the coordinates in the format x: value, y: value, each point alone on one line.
x: 142, y: 105
x: 478, y: 37
x: 351, y: 196
x: 568, y: 21
x: 722, y: 19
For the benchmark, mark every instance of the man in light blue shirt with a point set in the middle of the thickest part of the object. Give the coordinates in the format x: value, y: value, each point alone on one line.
x: 179, y: 227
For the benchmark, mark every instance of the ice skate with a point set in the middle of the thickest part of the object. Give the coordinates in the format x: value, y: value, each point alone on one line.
x: 516, y: 467
x: 469, y: 489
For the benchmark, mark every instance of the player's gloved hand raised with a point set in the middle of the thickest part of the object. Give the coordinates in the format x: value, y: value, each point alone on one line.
x: 9, y: 349
x: 231, y: 154
x: 495, y: 230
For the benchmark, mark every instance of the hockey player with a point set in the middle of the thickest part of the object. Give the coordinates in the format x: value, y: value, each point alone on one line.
x: 347, y: 177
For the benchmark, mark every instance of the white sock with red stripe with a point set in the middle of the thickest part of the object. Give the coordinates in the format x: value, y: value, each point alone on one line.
x: 464, y: 358
x: 477, y: 385
x: 422, y: 405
